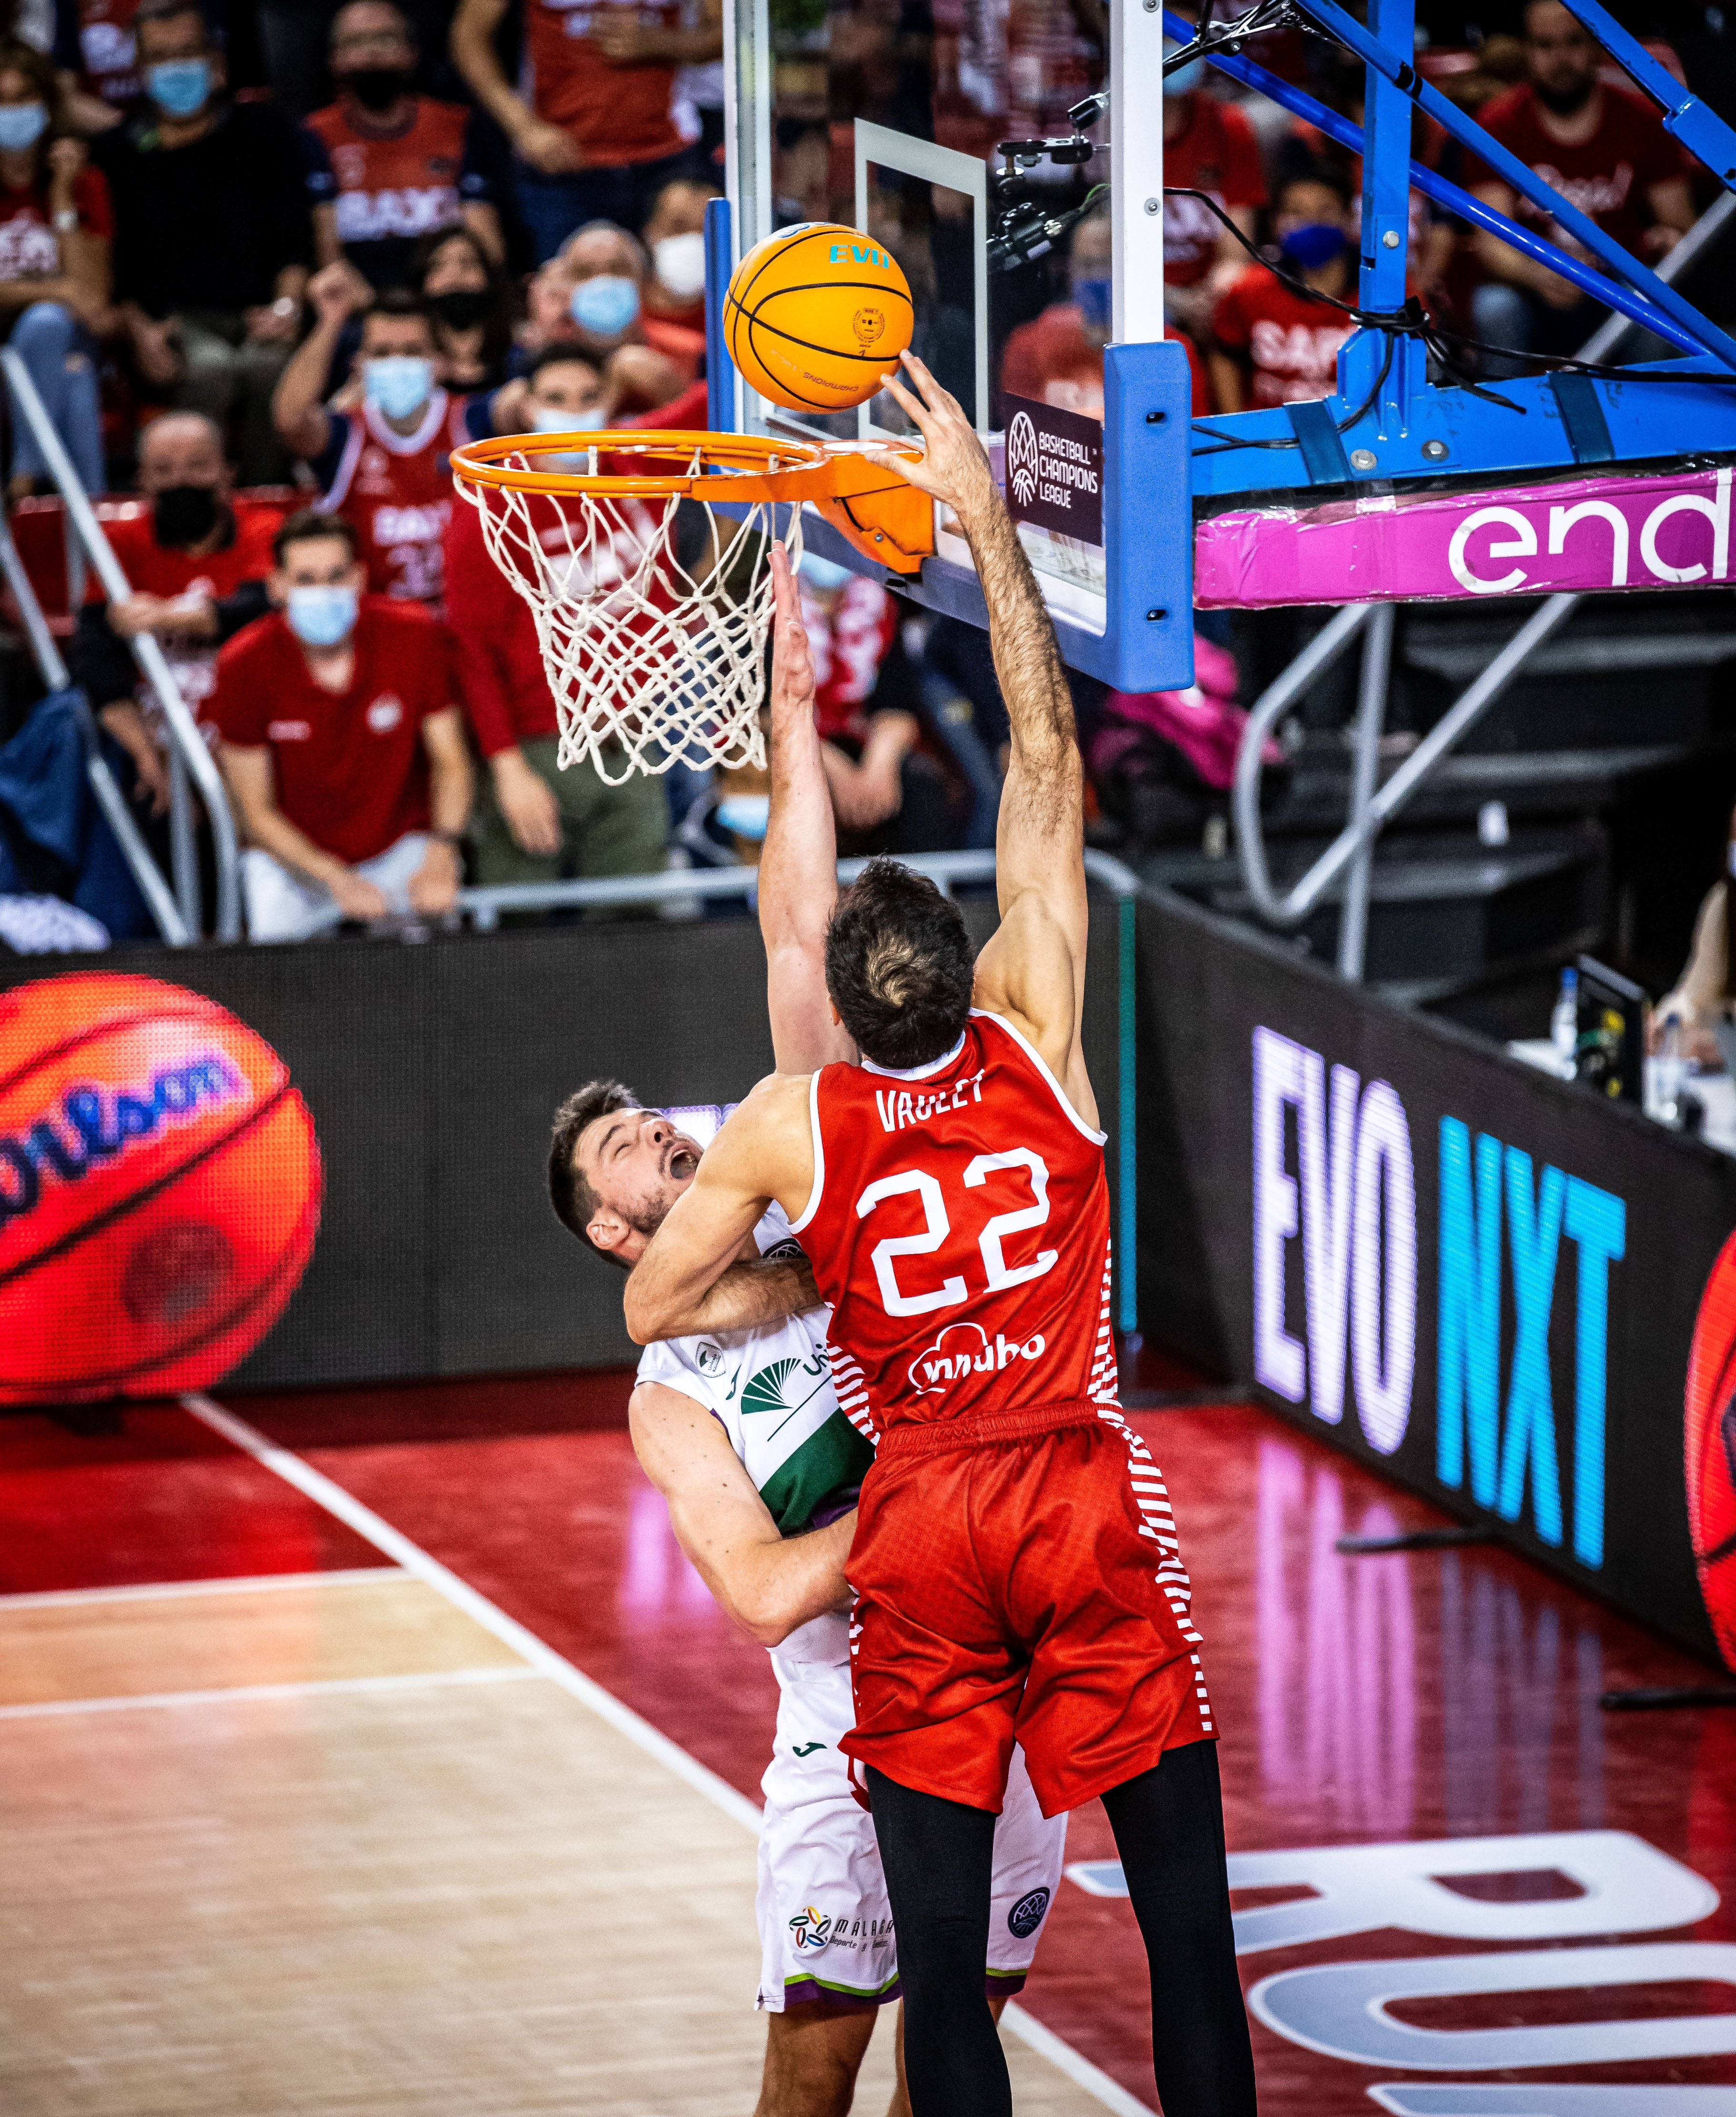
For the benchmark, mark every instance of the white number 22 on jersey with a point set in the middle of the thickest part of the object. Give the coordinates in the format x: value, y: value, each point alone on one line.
x: 952, y: 1290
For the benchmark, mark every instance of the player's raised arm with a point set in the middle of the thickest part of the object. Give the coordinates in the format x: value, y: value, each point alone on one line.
x: 798, y: 863
x: 764, y: 1152
x: 1033, y: 968
x: 768, y: 1583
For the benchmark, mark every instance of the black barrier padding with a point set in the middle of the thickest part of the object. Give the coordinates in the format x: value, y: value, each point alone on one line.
x: 1204, y: 990
x: 432, y: 1073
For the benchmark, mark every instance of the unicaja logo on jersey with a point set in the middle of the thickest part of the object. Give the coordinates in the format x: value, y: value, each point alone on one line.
x: 1021, y: 458
x: 963, y: 1349
x: 812, y: 1929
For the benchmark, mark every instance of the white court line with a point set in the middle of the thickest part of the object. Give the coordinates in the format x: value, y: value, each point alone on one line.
x: 332, y: 1686
x: 147, y: 1591
x: 326, y: 1492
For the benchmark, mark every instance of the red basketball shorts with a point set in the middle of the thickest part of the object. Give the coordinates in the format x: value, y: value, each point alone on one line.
x: 1026, y: 1590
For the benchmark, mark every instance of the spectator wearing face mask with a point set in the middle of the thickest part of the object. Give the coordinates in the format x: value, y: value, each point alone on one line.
x: 212, y: 238
x: 342, y: 744
x: 649, y: 362
x: 55, y: 226
x: 1273, y: 345
x: 381, y: 450
x: 385, y: 166
x: 674, y: 240
x: 464, y: 291
x: 599, y: 131
x: 198, y: 574
x: 92, y: 45
x: 535, y: 822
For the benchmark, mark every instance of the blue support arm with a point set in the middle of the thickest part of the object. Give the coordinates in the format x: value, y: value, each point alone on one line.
x: 1686, y: 117
x: 1448, y: 196
x: 1399, y: 71
x: 720, y: 370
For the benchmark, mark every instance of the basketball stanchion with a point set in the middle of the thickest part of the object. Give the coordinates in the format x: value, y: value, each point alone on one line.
x: 647, y: 572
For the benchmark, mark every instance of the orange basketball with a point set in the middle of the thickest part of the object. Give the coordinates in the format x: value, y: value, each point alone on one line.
x: 816, y: 314
x: 1710, y: 1435
x: 159, y: 1189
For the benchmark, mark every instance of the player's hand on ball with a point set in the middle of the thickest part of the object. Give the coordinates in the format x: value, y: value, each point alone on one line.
x: 952, y: 467
x: 792, y: 658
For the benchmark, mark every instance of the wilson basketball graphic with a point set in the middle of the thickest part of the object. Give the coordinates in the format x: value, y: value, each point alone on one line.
x: 159, y: 1189
x: 815, y: 315
x: 1710, y: 1435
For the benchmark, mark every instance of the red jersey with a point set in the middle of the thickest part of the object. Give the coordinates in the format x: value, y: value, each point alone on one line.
x: 28, y: 247
x: 1607, y: 177
x: 848, y: 642
x: 616, y: 113
x: 160, y: 569
x: 396, y: 489
x: 107, y: 62
x: 958, y: 1225
x: 398, y: 183
x: 350, y: 768
x: 1293, y: 344
x: 1216, y: 151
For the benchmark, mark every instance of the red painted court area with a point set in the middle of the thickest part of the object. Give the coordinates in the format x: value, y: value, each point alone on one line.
x: 1389, y: 1701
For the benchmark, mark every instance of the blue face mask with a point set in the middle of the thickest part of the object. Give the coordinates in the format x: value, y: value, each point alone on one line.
x: 748, y: 815
x: 1315, y: 243
x: 321, y: 617
x: 1094, y: 300
x: 180, y: 88
x: 21, y: 126
x: 398, y: 384
x: 1185, y: 80
x: 606, y: 306
x: 824, y: 576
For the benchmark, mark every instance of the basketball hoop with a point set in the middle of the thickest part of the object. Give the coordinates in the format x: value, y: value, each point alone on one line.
x: 647, y: 569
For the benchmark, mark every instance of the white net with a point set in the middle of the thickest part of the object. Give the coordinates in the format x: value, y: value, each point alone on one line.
x: 651, y: 613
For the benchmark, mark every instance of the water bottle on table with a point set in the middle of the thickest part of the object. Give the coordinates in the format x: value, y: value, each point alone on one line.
x: 1669, y: 1069
x: 1564, y: 1026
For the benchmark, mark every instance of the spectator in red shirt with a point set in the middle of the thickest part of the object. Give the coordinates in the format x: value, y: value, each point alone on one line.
x: 342, y: 744
x: 1604, y: 150
x: 381, y: 450
x: 535, y: 822
x: 1208, y: 145
x: 198, y: 573
x: 55, y: 232
x: 1058, y: 358
x: 385, y: 166
x: 1271, y: 344
x: 599, y: 136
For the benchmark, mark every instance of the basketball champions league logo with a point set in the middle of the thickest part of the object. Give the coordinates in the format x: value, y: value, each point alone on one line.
x: 1021, y: 459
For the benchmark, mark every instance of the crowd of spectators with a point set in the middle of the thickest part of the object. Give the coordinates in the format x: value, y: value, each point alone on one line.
x: 274, y: 311
x: 1259, y: 208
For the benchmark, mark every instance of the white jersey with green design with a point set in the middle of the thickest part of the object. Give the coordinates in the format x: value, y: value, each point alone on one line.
x: 770, y: 1389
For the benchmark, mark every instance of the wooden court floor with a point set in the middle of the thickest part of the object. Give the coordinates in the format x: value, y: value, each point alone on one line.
x: 378, y: 1751
x: 323, y: 1843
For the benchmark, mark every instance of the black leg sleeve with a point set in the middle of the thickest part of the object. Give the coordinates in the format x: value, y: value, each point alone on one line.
x: 938, y: 1857
x: 1168, y: 1825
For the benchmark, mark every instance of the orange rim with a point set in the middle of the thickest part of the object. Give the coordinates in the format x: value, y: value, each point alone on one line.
x: 754, y: 467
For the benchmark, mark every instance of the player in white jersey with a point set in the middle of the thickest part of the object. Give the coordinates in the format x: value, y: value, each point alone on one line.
x: 741, y: 1431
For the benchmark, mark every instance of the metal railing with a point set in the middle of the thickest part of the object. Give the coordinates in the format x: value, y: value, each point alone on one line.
x: 191, y: 763
x: 1351, y: 854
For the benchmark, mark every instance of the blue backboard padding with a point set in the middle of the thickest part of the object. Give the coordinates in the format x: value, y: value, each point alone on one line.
x: 1148, y: 518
